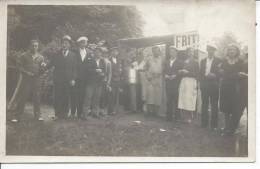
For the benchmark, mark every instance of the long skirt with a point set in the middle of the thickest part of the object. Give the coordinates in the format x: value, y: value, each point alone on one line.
x: 154, y: 92
x: 188, y: 94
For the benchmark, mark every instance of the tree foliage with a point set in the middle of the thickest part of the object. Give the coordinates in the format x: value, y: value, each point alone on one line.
x: 50, y: 22
x: 222, y: 42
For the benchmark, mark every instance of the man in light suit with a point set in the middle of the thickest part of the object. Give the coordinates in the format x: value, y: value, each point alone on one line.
x: 82, y: 53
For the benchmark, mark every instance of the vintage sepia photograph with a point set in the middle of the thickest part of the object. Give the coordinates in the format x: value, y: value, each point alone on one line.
x: 85, y: 81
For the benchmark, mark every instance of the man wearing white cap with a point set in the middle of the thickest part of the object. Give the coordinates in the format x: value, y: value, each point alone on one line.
x: 64, y: 77
x: 82, y: 54
x: 209, y: 84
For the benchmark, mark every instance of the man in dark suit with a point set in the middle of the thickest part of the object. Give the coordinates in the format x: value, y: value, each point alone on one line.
x: 172, y: 80
x: 115, y: 80
x: 209, y: 85
x: 82, y: 54
x: 64, y: 77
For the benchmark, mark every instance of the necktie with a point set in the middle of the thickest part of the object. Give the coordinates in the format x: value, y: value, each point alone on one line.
x: 64, y: 52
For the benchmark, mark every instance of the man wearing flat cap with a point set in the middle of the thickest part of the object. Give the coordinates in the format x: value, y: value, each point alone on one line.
x: 82, y: 56
x: 96, y: 75
x: 209, y: 84
x: 64, y: 76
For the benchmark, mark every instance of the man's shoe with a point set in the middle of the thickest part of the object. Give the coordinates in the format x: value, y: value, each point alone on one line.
x: 14, y: 120
x: 54, y: 118
x: 40, y: 119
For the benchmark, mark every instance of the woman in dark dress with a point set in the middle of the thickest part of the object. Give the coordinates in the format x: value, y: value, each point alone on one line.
x: 229, y: 90
x: 244, y: 83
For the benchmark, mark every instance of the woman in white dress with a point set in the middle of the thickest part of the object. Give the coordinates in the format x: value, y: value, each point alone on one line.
x: 154, y: 82
x: 188, y: 86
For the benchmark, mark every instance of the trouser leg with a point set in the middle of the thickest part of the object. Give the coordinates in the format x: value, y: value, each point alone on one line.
x: 113, y: 98
x: 214, y: 108
x: 133, y: 96
x: 73, y: 99
x: 58, y: 99
x: 228, y: 119
x: 104, y: 97
x: 89, y: 98
x: 57, y: 95
x: 66, y: 101
x: 139, y: 97
x: 126, y: 97
x: 81, y: 98
x: 205, y: 106
x: 61, y: 100
x: 156, y: 109
x: 177, y: 114
x: 169, y: 111
x: 96, y: 98
x: 36, y: 89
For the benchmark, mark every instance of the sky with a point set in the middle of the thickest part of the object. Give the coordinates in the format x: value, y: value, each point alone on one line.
x: 210, y: 18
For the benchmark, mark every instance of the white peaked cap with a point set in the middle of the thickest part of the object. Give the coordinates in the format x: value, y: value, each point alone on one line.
x: 66, y: 37
x: 82, y: 38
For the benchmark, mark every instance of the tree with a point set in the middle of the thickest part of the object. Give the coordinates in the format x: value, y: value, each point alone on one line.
x: 223, y: 41
x: 49, y: 22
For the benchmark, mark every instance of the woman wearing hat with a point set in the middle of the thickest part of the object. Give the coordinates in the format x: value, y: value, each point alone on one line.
x: 229, y: 90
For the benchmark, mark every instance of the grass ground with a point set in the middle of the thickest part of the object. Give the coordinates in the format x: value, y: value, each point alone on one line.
x: 121, y: 135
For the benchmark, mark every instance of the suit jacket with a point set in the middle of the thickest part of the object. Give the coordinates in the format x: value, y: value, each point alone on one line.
x: 204, y: 81
x: 173, y: 70
x: 65, y: 68
x: 82, y: 66
x: 91, y: 74
x: 100, y: 77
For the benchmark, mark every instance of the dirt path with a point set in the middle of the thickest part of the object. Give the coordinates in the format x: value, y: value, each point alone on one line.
x: 120, y: 135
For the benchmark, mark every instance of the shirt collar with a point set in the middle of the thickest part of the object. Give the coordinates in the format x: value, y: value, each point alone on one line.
x: 172, y: 59
x: 84, y: 49
x: 66, y: 51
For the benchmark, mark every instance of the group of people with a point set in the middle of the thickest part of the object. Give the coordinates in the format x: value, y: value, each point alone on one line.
x: 223, y: 83
x: 82, y: 78
x: 92, y: 81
